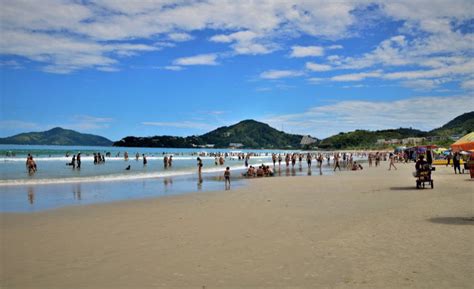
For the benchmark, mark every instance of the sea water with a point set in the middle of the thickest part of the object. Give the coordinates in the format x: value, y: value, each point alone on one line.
x: 56, y: 184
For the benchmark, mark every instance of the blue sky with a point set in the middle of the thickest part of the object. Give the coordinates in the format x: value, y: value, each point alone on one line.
x: 119, y: 68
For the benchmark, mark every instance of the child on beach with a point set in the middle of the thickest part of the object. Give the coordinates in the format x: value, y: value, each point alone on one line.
x: 227, y: 178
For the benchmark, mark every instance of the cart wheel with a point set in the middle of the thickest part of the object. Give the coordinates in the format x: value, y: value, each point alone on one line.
x: 432, y: 184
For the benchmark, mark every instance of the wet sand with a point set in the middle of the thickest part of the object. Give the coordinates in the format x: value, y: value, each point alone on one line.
x: 363, y: 229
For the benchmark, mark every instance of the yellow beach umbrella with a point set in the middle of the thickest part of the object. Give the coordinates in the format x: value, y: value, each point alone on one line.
x: 440, y: 150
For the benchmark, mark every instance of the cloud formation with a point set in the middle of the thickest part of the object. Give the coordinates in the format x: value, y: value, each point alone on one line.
x: 202, y: 59
x: 432, y: 44
x: 416, y: 112
x: 276, y: 74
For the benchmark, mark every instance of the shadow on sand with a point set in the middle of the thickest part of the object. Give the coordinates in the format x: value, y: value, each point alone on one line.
x: 410, y: 188
x: 453, y: 220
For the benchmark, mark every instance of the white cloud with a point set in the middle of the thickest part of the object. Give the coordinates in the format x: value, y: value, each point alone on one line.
x: 306, y: 51
x: 245, y: 42
x: 180, y: 37
x: 173, y: 68
x: 88, y: 122
x: 178, y: 124
x: 317, y: 67
x: 11, y: 64
x: 75, y: 28
x: 468, y: 84
x: 17, y: 124
x: 56, y: 32
x: 422, y: 84
x: 202, y: 59
x: 416, y: 112
x: 276, y: 74
x: 316, y: 80
x: 356, y: 76
x: 332, y: 47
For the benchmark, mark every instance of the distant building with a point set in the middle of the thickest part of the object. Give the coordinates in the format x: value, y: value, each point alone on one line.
x: 235, y: 145
x: 307, y: 140
x: 381, y: 141
x: 413, y: 140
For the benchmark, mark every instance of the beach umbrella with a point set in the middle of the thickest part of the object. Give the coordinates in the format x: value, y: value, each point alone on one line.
x: 464, y: 144
x: 446, y: 152
x: 440, y: 150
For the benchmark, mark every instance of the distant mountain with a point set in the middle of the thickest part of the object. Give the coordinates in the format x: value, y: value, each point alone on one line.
x: 367, y: 139
x: 249, y: 133
x: 252, y: 134
x: 461, y: 125
x: 57, y: 136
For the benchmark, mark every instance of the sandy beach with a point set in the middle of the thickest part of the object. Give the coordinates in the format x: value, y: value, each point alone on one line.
x: 362, y: 229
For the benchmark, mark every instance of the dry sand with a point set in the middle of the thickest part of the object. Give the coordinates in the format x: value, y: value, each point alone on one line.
x: 364, y: 229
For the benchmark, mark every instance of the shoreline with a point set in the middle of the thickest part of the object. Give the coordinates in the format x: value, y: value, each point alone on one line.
x: 354, y: 229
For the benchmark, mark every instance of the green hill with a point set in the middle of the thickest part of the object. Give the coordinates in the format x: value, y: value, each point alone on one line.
x: 250, y: 133
x: 57, y: 136
x: 461, y: 125
x: 367, y: 139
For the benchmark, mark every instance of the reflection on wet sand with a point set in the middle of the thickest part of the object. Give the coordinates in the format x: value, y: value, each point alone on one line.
x: 31, y: 195
x: 199, y: 184
x: 168, y: 182
x: 76, y: 192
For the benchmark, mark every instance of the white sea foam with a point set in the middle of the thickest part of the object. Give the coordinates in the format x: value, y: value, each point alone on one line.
x: 115, y: 177
x: 91, y: 158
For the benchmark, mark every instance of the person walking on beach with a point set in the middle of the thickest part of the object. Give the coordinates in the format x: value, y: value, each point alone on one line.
x: 449, y: 157
x: 392, y: 162
x: 457, y: 162
x: 227, y: 178
x: 336, y: 162
x: 308, y: 159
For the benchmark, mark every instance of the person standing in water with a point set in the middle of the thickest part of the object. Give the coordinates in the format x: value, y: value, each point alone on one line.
x: 78, y: 160
x: 199, y: 164
x: 336, y: 162
x: 165, y: 161
x: 144, y: 160
x: 227, y: 178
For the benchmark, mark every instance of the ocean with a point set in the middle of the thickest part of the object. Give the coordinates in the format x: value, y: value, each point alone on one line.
x: 56, y: 184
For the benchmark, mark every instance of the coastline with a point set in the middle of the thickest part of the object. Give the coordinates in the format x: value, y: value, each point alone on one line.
x: 362, y: 229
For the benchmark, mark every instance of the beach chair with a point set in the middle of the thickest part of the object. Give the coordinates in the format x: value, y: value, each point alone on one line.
x: 423, y: 176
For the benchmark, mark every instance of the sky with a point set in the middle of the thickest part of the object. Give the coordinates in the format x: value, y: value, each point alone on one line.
x: 175, y: 67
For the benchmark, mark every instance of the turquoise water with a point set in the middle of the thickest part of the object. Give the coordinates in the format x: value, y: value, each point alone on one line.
x: 56, y: 185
